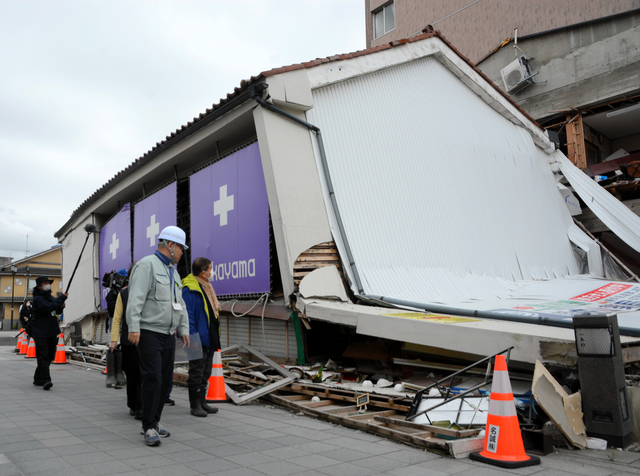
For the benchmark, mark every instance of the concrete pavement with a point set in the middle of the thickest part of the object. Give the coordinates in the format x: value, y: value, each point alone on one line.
x: 80, y: 427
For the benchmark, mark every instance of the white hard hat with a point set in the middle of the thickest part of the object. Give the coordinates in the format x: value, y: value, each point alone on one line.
x: 175, y: 234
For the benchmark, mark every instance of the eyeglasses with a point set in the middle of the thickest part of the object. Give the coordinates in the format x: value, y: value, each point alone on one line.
x: 180, y: 246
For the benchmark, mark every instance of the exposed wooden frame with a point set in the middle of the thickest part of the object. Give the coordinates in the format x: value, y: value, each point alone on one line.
x: 241, y: 399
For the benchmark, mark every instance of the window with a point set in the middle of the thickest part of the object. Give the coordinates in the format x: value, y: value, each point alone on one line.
x: 7, y: 289
x: 18, y: 281
x: 384, y: 20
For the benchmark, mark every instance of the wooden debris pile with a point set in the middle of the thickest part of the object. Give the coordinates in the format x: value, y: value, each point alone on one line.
x: 90, y: 356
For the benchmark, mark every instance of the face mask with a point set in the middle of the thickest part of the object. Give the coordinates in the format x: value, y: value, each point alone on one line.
x: 46, y: 287
x: 208, y: 276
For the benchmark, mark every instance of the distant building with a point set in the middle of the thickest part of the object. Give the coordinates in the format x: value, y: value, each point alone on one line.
x: 18, y: 278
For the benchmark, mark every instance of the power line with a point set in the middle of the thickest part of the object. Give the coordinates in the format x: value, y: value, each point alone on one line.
x: 448, y: 16
x: 454, y: 13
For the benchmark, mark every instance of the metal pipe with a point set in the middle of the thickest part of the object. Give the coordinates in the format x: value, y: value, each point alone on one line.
x: 512, y: 316
x: 327, y: 175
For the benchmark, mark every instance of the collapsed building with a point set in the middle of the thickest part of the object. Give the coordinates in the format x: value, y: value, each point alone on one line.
x: 391, y: 193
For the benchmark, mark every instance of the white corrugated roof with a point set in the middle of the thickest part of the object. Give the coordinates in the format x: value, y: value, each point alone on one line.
x: 442, y: 198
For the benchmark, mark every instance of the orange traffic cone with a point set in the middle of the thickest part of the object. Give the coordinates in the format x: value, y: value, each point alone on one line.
x: 502, y: 440
x: 216, y: 391
x: 24, y: 346
x: 19, y: 344
x: 31, y: 351
x: 61, y: 355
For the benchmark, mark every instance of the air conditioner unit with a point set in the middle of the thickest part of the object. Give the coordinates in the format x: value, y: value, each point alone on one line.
x: 517, y: 75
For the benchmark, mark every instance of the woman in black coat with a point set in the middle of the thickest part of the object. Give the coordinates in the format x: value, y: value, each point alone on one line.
x: 45, y: 329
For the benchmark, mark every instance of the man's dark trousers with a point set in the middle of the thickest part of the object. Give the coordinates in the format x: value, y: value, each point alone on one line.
x: 200, y: 370
x: 157, y: 352
x: 131, y: 367
x: 45, y: 353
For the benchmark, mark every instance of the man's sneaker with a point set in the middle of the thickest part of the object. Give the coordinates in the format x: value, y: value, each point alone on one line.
x: 160, y: 430
x: 151, y: 437
x: 169, y: 402
x: 47, y: 385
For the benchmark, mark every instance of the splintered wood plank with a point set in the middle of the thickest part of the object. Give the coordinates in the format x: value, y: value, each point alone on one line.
x: 430, y: 428
x: 321, y: 403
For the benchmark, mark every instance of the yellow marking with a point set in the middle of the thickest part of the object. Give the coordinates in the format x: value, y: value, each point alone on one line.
x: 431, y: 317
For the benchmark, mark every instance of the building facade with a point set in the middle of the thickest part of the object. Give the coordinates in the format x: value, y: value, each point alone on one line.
x: 479, y: 27
x: 18, y: 278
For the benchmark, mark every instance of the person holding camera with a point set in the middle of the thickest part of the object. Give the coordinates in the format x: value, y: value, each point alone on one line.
x: 45, y: 328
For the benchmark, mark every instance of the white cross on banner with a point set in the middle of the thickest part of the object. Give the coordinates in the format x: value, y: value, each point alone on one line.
x: 153, y: 230
x: 223, y: 206
x: 113, y: 247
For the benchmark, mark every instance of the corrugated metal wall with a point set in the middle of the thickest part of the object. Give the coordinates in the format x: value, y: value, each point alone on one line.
x: 275, y: 331
x: 443, y: 199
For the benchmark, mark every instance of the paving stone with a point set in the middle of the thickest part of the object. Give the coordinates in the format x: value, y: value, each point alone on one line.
x: 58, y: 472
x: 104, y: 469
x: 250, y: 459
x: 171, y: 471
x: 416, y: 471
x: 146, y: 462
x: 204, y: 443
x: 314, y: 461
x: 290, y: 440
x: 317, y: 447
x: 188, y: 456
x: 212, y: 466
x: 71, y: 440
x: 260, y: 445
x: 379, y: 463
x: 19, y: 446
x: 141, y: 451
x: 9, y: 470
x: 411, y: 456
x: 27, y: 454
x: 346, y: 454
x: 238, y: 472
x: 285, y: 452
x: 307, y: 433
x: 447, y: 465
x: 35, y: 465
x: 227, y: 450
x: 268, y: 434
x: 346, y: 469
x: 96, y: 457
x: 280, y: 468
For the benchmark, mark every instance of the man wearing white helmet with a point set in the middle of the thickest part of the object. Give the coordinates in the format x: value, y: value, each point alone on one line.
x: 154, y: 311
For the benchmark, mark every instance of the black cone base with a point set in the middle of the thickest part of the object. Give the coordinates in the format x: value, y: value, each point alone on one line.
x: 532, y: 461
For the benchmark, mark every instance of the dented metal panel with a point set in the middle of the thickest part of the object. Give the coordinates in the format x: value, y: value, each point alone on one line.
x: 443, y: 199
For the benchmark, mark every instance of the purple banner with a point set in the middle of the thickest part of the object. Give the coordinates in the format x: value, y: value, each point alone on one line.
x: 115, y: 246
x: 150, y: 216
x: 230, y: 222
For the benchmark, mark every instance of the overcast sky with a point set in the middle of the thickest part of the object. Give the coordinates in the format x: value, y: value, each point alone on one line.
x: 87, y: 87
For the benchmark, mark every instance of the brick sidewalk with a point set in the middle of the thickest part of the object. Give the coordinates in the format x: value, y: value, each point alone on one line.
x: 80, y: 427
